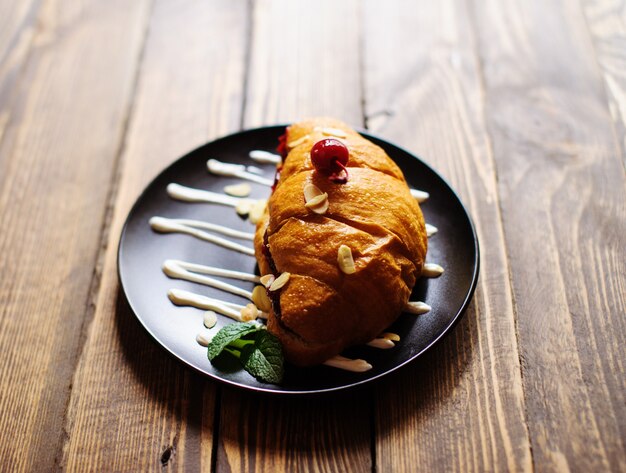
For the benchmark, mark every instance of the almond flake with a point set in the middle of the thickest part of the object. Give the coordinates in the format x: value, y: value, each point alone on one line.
x: 257, y: 210
x: 204, y: 339
x: 318, y: 204
x: 382, y: 343
x: 260, y: 299
x: 311, y: 191
x: 394, y: 337
x: 341, y: 362
x: 419, y: 195
x: 334, y: 132
x: 210, y: 319
x: 417, y: 307
x: 249, y: 312
x: 432, y: 270
x: 280, y: 281
x: 267, y: 280
x: 238, y: 190
x: 244, y: 206
x: 316, y: 200
x: 299, y: 141
x: 345, y: 260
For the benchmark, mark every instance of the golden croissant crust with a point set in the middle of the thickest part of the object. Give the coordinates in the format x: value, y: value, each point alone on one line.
x: 322, y: 310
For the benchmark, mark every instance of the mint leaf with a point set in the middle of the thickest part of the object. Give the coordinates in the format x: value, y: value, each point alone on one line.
x: 228, y: 334
x: 264, y: 358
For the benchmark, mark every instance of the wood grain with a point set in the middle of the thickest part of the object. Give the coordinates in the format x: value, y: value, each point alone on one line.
x: 284, y: 434
x: 156, y: 414
x: 57, y: 159
x: 304, y: 62
x: 520, y: 105
x: 461, y: 407
x: 17, y: 29
x: 607, y: 24
x: 561, y: 187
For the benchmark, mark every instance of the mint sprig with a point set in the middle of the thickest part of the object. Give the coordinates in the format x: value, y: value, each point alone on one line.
x: 229, y: 334
x: 264, y: 358
x: 259, y: 351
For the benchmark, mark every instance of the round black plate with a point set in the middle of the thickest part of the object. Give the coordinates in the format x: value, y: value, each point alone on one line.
x: 142, y: 251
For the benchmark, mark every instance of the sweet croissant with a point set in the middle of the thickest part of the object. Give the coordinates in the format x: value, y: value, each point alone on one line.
x: 348, y: 232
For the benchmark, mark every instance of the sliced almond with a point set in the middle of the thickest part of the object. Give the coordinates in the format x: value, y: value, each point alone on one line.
x: 431, y: 230
x: 316, y: 200
x: 345, y: 260
x: 244, y: 206
x: 238, y: 190
x: 260, y: 299
x: 204, y: 339
x: 318, y: 204
x: 299, y: 141
x: 328, y: 131
x: 280, y: 282
x: 311, y: 191
x: 210, y: 319
x: 394, y: 337
x: 249, y: 312
x: 257, y: 210
x: 432, y: 270
x: 417, y: 307
x: 382, y: 343
x: 267, y: 280
x: 419, y: 195
x: 348, y: 364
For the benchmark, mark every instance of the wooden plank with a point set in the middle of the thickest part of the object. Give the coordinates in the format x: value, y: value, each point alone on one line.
x: 260, y: 433
x: 304, y: 62
x: 607, y: 24
x: 17, y: 28
x: 56, y: 163
x: 461, y: 407
x: 561, y: 184
x: 133, y: 408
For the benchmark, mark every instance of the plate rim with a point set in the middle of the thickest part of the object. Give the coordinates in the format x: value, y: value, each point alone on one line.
x: 281, y: 392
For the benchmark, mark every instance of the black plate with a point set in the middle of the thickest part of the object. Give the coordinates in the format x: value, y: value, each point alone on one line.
x: 142, y: 251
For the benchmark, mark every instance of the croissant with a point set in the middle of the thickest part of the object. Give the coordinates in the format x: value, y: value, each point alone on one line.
x: 322, y: 308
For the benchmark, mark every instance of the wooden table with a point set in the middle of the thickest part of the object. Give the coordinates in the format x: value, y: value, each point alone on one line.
x: 520, y: 105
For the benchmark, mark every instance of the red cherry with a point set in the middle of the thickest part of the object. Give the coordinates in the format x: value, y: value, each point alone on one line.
x: 330, y: 156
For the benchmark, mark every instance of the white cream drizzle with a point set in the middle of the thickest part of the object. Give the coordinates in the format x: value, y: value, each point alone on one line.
x: 213, y: 271
x: 189, y: 194
x: 341, y: 362
x: 166, y: 225
x: 420, y: 196
x: 264, y: 157
x: 255, y: 170
x: 431, y: 230
x: 182, y: 297
x: 231, y: 232
x: 417, y: 307
x: 235, y: 170
x: 195, y: 273
x: 432, y: 270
